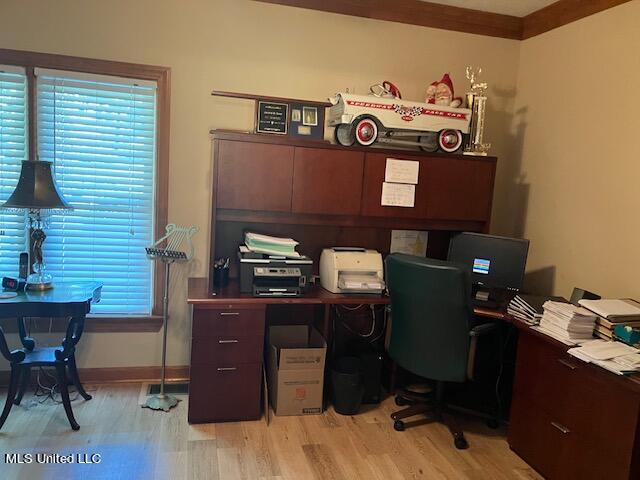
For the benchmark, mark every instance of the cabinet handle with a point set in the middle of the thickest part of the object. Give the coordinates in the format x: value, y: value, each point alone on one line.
x: 229, y: 313
x: 226, y: 369
x: 227, y: 341
x: 567, y: 364
x: 562, y: 428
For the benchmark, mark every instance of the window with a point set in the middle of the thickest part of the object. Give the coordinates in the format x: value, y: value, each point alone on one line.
x: 13, y: 149
x: 105, y: 127
x: 100, y: 134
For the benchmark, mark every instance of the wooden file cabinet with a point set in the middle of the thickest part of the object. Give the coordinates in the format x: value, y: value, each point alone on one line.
x: 572, y: 420
x: 226, y: 363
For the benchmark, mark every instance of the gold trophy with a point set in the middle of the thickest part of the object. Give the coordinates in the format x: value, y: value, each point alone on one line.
x: 476, y: 99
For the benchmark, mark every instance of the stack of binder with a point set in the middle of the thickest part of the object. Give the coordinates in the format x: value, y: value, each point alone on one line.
x: 611, y: 313
x: 278, y: 246
x: 566, y: 322
x: 529, y: 308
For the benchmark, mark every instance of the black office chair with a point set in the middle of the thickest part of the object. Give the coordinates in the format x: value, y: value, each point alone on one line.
x: 431, y: 332
x: 61, y: 358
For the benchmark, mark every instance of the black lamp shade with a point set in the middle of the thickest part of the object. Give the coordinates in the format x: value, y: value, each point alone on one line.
x: 36, y: 188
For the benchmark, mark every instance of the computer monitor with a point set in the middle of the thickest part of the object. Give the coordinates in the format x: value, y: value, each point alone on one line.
x: 496, y: 263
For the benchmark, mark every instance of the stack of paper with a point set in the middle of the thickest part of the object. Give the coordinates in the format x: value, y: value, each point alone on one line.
x: 566, y: 322
x: 613, y: 356
x: 528, y: 308
x: 611, y: 313
x: 285, y: 247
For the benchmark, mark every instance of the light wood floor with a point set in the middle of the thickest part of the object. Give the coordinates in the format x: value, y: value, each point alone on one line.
x: 137, y: 443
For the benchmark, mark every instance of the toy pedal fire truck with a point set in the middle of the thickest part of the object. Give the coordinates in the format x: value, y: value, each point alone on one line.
x: 383, y: 117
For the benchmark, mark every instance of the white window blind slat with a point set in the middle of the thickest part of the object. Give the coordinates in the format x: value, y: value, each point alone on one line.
x: 13, y: 149
x: 100, y: 132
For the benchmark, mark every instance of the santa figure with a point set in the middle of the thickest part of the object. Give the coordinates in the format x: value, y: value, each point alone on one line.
x: 444, y: 93
x: 431, y: 93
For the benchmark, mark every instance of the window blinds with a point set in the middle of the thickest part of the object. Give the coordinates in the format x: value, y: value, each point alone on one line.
x: 100, y: 133
x: 13, y: 149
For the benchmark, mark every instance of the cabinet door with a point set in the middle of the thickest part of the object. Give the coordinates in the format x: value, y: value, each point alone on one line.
x: 254, y: 176
x: 374, y: 171
x: 459, y: 189
x: 327, y: 181
x: 447, y: 189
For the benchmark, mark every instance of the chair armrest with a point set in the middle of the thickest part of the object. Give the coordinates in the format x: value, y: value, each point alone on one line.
x: 474, y: 333
x: 482, y: 329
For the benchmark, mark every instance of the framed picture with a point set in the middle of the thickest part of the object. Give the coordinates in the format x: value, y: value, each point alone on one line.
x: 296, y: 115
x: 310, y: 116
x: 272, y: 117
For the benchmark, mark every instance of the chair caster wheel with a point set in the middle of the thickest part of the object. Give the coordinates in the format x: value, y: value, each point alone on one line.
x: 492, y: 423
x: 401, y: 401
x: 398, y: 426
x: 460, y: 442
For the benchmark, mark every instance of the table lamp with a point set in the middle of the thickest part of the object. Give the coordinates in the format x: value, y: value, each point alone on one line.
x: 37, y: 191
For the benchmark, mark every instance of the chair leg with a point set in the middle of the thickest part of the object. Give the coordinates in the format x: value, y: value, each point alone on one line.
x: 450, y: 421
x: 25, y: 376
x: 11, y: 393
x: 73, y: 371
x: 411, y: 411
x: 458, y: 435
x: 64, y: 391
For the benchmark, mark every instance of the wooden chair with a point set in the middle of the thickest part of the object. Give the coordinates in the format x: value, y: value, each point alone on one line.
x: 61, y: 358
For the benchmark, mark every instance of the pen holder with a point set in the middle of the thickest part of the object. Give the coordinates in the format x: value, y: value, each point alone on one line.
x: 220, y: 276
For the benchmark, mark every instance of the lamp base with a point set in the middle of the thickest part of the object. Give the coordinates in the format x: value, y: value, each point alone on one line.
x: 39, y: 282
x: 161, y: 402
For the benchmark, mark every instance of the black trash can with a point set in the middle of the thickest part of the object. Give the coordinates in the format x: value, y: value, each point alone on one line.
x: 348, y: 385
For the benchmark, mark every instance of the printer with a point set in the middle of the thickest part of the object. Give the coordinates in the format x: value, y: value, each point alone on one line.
x: 264, y: 275
x: 351, y: 270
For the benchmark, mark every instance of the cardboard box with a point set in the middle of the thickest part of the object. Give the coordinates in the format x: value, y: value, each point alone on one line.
x: 296, y: 369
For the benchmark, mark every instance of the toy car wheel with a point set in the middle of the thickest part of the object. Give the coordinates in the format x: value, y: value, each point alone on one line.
x: 450, y: 140
x: 366, y: 131
x: 429, y: 142
x: 345, y: 134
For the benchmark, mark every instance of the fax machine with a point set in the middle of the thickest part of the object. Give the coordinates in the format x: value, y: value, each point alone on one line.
x: 351, y: 270
x: 273, y: 276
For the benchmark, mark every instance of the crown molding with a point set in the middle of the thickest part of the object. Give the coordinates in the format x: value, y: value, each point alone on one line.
x: 415, y: 12
x: 562, y: 13
x: 434, y: 15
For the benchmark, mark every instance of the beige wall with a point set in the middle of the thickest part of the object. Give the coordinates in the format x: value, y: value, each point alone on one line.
x: 245, y: 46
x: 578, y: 107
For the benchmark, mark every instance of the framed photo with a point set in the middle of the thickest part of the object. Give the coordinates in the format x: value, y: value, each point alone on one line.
x: 296, y: 115
x: 310, y: 116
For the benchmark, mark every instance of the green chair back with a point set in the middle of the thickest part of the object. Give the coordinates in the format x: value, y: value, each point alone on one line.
x: 431, y: 316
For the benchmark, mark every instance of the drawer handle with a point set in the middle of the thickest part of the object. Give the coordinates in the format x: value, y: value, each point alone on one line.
x: 562, y: 428
x: 228, y: 313
x: 567, y: 364
x: 226, y: 369
x: 227, y: 341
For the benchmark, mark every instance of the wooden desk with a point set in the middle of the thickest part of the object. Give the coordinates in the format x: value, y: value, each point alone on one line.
x: 227, y: 343
x: 227, y: 346
x: 571, y: 419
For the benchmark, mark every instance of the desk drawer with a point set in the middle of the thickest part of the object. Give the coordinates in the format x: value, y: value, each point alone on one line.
x: 218, y: 394
x: 543, y: 373
x: 228, y: 322
x: 220, y: 350
x: 539, y: 438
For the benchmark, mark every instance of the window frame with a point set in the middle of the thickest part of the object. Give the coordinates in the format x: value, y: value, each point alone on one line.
x: 159, y: 74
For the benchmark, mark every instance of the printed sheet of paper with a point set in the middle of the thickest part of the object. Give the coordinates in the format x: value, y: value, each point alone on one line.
x: 398, y: 195
x: 411, y: 242
x: 401, y: 171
